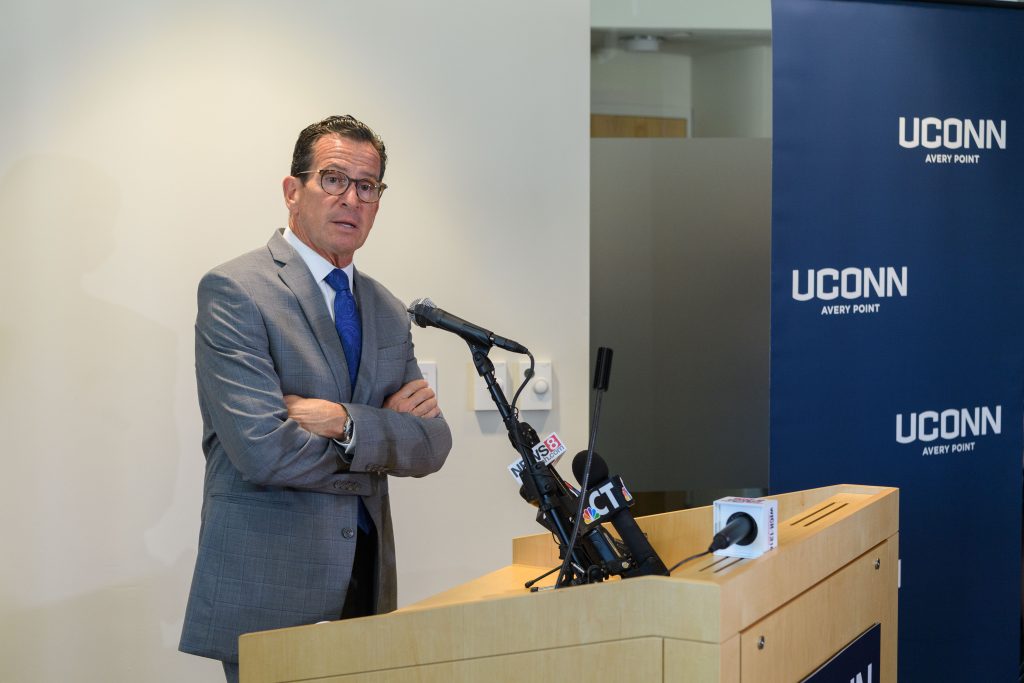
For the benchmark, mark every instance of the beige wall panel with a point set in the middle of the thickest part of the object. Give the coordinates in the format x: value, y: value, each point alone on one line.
x: 144, y: 143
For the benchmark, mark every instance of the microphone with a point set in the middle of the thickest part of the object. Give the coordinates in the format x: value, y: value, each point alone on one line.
x: 645, y: 559
x: 425, y: 313
x: 741, y: 530
x: 745, y: 527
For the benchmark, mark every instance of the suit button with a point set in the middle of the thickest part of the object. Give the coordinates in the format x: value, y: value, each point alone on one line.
x: 339, y: 485
x: 348, y: 532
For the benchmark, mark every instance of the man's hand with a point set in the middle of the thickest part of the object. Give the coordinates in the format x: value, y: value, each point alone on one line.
x: 416, y: 398
x: 323, y: 418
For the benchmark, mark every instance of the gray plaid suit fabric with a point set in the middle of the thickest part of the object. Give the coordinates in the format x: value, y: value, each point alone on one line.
x: 277, y: 540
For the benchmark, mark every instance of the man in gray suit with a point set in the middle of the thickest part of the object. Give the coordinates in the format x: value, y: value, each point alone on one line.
x: 310, y: 396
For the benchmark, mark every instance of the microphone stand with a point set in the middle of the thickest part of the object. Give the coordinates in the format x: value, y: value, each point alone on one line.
x: 541, y: 482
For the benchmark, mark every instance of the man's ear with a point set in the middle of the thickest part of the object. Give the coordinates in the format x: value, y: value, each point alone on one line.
x: 290, y: 186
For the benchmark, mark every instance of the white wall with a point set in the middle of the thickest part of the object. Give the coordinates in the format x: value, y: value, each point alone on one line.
x: 144, y: 143
x: 640, y: 84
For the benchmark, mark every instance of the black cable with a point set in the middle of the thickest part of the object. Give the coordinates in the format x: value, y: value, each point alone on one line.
x: 691, y: 557
x: 527, y: 376
x: 517, y: 434
x: 529, y: 584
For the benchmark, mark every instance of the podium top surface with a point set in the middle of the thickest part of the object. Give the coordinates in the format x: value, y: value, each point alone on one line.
x: 820, y: 530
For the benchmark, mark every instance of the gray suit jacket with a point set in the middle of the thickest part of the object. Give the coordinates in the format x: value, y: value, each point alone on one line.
x: 277, y: 539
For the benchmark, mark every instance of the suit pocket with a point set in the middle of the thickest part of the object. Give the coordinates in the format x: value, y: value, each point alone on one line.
x: 401, y: 351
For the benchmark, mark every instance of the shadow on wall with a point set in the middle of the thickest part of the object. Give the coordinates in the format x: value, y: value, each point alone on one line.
x: 89, y: 442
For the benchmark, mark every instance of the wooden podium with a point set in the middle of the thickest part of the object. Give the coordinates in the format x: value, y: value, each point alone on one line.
x: 776, y: 618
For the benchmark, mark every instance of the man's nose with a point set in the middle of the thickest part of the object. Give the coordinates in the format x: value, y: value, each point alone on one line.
x: 344, y: 196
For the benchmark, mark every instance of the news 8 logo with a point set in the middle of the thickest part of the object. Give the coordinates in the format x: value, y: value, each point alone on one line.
x: 548, y: 450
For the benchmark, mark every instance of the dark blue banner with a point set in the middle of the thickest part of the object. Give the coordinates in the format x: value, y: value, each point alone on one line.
x: 897, y: 278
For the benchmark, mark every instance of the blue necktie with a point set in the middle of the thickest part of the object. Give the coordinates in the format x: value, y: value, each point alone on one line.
x: 346, y: 321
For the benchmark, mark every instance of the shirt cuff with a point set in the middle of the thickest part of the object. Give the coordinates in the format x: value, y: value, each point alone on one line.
x: 347, y: 449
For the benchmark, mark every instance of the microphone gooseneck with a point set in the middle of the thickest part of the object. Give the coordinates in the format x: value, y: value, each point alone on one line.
x: 425, y: 313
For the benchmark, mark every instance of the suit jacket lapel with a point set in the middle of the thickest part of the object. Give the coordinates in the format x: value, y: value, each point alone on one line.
x: 297, y: 278
x: 368, y: 356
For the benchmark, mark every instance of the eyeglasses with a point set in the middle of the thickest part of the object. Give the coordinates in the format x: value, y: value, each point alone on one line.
x: 336, y: 183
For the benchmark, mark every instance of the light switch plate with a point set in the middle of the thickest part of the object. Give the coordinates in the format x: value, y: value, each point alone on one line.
x: 428, y: 369
x: 539, y: 394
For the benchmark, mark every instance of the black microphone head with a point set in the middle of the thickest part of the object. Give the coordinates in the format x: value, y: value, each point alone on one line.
x: 740, y: 529
x: 598, y: 468
x: 417, y: 308
x: 602, y: 368
x: 751, y: 534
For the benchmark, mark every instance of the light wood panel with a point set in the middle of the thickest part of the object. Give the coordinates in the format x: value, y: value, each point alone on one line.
x: 610, y: 126
x: 686, y: 660
x: 826, y: 619
x: 638, y: 661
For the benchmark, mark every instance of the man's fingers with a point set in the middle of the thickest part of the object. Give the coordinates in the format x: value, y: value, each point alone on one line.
x: 416, y: 398
x: 425, y: 407
x: 412, y: 387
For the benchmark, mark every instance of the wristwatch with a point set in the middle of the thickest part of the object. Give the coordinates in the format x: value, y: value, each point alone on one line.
x: 346, y: 434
